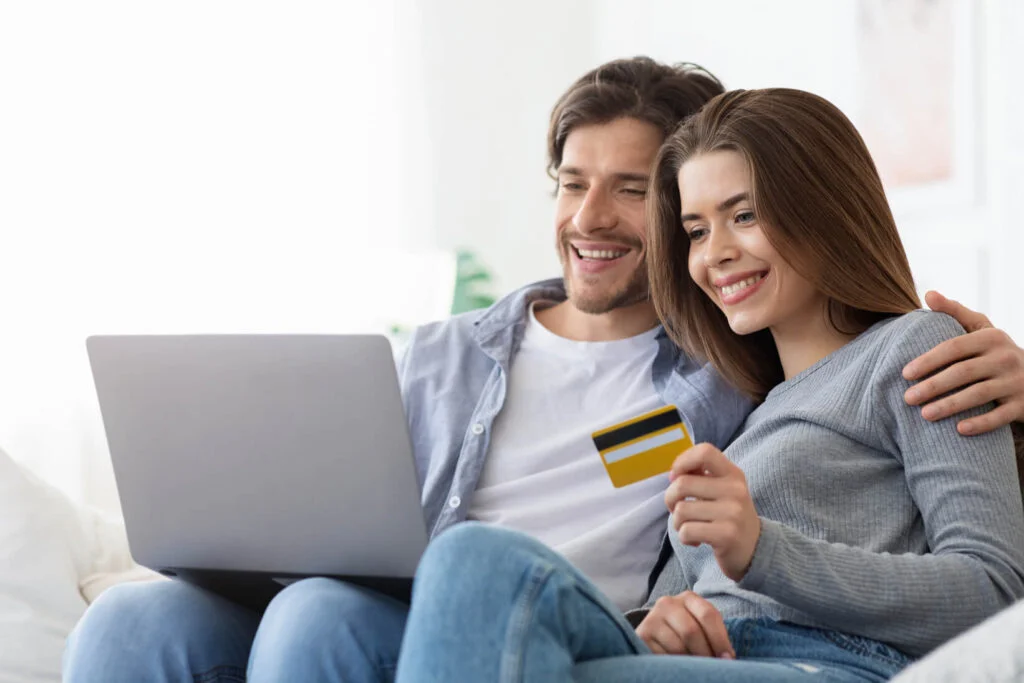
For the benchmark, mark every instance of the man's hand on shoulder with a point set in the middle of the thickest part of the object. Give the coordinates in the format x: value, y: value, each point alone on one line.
x: 982, y: 366
x: 686, y: 624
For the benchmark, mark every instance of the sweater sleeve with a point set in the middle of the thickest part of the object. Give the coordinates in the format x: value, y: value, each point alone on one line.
x: 967, y: 492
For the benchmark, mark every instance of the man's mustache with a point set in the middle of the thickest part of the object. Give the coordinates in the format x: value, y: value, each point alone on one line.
x: 627, y: 241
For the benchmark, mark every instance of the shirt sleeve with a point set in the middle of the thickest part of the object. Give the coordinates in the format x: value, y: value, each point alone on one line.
x: 671, y: 580
x: 966, y: 489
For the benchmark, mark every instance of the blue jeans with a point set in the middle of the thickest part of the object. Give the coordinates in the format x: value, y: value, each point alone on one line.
x: 316, y: 630
x: 491, y: 605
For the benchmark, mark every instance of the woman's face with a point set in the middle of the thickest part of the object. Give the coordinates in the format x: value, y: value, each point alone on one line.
x: 730, y: 258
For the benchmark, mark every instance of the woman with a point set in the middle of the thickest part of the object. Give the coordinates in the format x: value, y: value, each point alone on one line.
x: 840, y: 535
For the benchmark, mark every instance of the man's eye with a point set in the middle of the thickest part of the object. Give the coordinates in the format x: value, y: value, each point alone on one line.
x: 572, y: 186
x: 635, y: 191
x: 745, y: 217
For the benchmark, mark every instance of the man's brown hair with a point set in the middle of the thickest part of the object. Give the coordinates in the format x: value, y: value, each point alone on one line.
x: 638, y: 88
x: 817, y: 196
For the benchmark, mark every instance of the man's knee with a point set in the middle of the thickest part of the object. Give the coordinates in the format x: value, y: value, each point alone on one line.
x: 312, y: 600
x: 132, y: 610
x: 331, y: 630
x: 135, y: 626
x: 318, y: 609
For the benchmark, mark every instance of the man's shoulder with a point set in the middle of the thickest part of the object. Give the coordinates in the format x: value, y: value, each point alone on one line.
x: 489, y: 332
x: 459, y: 327
x: 445, y: 347
x: 475, y: 327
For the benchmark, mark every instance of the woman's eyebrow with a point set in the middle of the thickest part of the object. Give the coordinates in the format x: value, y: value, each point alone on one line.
x: 724, y: 206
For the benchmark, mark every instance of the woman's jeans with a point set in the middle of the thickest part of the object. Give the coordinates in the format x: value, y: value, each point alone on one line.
x: 314, y: 631
x: 491, y: 605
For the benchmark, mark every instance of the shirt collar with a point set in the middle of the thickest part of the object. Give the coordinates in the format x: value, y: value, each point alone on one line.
x: 499, y: 329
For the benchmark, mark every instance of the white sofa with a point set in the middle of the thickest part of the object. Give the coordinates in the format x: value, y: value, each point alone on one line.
x: 55, y: 558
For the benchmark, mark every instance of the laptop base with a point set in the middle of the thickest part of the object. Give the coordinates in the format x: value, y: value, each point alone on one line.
x: 255, y: 590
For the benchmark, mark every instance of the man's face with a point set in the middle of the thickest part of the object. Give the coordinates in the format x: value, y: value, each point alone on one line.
x: 599, y: 215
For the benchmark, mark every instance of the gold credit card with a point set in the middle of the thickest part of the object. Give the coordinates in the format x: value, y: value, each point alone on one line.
x: 642, y: 447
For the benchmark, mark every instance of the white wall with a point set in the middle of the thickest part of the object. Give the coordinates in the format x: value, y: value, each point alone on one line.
x: 249, y: 165
x: 971, y: 252
x: 1004, y: 167
x: 746, y: 43
x: 493, y: 73
x: 488, y: 136
x: 197, y: 166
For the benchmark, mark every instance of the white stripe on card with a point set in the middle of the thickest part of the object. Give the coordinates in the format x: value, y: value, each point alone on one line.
x: 640, y: 446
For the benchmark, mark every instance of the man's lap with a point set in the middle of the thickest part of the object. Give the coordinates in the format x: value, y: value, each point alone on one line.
x: 172, y: 628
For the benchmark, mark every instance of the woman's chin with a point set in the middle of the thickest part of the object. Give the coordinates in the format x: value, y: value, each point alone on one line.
x: 743, y: 325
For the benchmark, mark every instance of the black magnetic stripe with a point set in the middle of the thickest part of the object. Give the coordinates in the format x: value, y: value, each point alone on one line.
x: 637, y: 429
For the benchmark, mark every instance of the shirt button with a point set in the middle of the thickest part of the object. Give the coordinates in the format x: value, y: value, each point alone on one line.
x: 478, y: 429
x: 454, y: 502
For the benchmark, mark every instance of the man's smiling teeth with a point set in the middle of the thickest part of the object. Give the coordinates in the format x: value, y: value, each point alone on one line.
x: 603, y: 255
x: 737, y: 286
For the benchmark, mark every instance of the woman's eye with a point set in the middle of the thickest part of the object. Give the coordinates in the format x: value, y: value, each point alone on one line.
x: 636, y: 192
x: 745, y: 217
x: 696, y: 234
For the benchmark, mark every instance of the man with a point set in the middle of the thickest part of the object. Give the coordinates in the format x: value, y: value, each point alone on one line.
x: 501, y: 406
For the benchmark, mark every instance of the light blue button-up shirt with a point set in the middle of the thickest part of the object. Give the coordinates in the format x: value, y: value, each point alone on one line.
x: 454, y: 378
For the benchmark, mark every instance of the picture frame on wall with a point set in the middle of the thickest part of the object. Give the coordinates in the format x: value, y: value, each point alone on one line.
x: 918, y: 107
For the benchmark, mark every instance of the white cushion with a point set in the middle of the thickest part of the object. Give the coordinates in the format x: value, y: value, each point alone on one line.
x: 52, y: 551
x: 990, y: 652
x: 43, y: 551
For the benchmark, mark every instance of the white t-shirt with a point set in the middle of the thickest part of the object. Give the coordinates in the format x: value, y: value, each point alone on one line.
x: 543, y: 475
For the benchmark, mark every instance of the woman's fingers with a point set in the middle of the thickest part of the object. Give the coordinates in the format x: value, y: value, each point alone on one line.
x: 711, y: 623
x: 686, y: 624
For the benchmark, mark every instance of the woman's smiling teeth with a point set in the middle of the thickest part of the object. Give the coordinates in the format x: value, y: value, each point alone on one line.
x: 599, y: 255
x: 743, y: 284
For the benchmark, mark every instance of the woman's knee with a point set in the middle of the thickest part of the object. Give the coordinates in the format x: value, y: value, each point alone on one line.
x: 472, y: 549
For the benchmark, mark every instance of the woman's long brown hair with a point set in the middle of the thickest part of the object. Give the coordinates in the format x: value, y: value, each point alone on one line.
x: 817, y: 196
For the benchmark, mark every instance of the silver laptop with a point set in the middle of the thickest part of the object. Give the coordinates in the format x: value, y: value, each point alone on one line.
x: 245, y: 462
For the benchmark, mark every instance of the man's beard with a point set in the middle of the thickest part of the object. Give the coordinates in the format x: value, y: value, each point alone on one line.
x: 636, y: 291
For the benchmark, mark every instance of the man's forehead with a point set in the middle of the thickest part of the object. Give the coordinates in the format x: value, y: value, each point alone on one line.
x: 623, y: 146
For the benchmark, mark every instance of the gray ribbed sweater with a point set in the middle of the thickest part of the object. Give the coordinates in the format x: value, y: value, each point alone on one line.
x: 875, y: 522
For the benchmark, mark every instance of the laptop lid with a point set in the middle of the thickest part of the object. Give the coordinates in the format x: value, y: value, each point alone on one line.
x: 279, y: 454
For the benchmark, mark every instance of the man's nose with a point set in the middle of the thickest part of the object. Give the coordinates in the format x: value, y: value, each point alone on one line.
x: 597, y: 212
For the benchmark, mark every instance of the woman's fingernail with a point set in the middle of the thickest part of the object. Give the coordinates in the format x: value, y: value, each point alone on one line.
x: 727, y: 655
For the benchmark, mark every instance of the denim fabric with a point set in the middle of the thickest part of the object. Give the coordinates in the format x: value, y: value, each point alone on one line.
x: 315, y: 631
x: 492, y: 605
x: 454, y: 378
x: 767, y: 651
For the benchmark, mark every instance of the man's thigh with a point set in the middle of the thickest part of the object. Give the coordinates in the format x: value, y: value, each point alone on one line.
x: 160, y: 631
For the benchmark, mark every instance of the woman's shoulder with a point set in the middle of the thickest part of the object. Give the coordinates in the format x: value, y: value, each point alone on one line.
x: 911, y: 334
